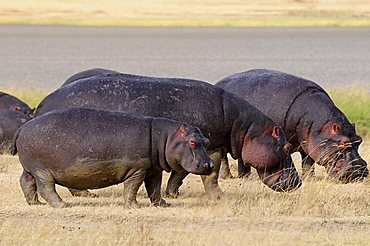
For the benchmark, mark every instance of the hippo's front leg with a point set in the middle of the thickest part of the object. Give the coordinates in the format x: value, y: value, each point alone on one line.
x: 308, y: 169
x: 174, y: 183
x: 244, y: 170
x: 225, y: 167
x: 210, y: 182
x: 131, y: 186
x: 153, y: 188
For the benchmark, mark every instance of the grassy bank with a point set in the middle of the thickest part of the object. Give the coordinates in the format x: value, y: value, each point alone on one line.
x: 187, y: 13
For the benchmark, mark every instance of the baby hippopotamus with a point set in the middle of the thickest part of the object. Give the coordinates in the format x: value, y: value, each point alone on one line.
x: 84, y: 148
x: 10, y: 121
x: 12, y: 103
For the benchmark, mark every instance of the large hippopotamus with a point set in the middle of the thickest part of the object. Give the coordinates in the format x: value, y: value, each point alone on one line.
x: 12, y: 103
x: 231, y: 124
x: 312, y: 123
x: 117, y: 147
x: 10, y: 121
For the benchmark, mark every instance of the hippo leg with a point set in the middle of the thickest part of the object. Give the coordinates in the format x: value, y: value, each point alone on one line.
x: 153, y: 188
x: 132, y: 185
x: 225, y: 167
x: 244, y: 170
x: 307, y: 165
x: 82, y: 193
x: 210, y: 182
x: 174, y: 183
x: 28, y: 185
x: 46, y: 188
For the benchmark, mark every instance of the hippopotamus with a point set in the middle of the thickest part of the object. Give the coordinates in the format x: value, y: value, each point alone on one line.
x: 12, y: 103
x: 231, y: 124
x: 10, y: 121
x: 117, y: 147
x: 314, y: 126
x: 87, y: 74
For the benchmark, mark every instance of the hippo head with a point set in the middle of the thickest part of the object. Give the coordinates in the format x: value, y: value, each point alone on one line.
x: 186, y: 149
x: 269, y: 152
x: 335, y: 146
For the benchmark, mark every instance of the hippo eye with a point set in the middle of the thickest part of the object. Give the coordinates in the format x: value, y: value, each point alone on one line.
x: 17, y: 108
x: 192, y: 143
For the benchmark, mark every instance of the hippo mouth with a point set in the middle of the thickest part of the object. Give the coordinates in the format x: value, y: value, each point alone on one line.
x: 285, y: 180
x: 199, y: 168
x: 347, y: 172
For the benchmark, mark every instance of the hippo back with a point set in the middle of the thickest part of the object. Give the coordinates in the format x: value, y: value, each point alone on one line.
x: 87, y: 74
x: 193, y: 102
x: 272, y: 92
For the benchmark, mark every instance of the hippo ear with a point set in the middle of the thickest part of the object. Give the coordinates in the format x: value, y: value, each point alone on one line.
x: 335, y: 129
x: 182, y: 131
x: 276, y: 132
x: 354, y: 125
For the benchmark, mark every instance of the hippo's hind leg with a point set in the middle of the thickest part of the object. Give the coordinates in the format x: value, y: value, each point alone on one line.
x: 308, y: 169
x: 244, y: 170
x: 153, y: 188
x: 210, y: 182
x: 28, y: 185
x: 81, y: 193
x: 131, y: 187
x: 46, y: 188
x: 174, y: 183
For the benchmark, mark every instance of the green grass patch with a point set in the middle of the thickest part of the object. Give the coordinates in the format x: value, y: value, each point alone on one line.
x: 354, y: 101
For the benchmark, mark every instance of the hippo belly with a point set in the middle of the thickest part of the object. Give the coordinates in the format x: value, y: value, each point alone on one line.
x: 95, y: 174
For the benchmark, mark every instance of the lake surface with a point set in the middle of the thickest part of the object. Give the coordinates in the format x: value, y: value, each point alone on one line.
x: 45, y: 56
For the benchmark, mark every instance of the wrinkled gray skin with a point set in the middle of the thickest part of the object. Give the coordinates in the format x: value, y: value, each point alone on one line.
x: 14, y: 104
x: 231, y: 124
x: 312, y: 123
x: 89, y: 149
x: 10, y: 121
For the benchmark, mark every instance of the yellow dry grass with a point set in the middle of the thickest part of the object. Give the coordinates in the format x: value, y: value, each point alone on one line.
x: 187, y: 12
x: 321, y: 212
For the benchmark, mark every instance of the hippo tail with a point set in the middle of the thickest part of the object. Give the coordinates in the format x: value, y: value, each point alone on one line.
x: 13, y: 148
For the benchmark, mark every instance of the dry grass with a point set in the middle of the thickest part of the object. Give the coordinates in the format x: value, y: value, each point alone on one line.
x: 187, y: 12
x: 320, y: 212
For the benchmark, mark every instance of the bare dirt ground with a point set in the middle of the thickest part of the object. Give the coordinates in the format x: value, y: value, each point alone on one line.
x: 321, y: 212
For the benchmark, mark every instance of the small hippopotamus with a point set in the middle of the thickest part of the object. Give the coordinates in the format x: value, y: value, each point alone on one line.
x: 312, y: 123
x: 232, y: 125
x: 12, y: 103
x: 87, y: 74
x: 117, y: 147
x: 10, y: 121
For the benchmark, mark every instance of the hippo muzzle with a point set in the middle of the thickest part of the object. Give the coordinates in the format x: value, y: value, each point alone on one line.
x: 284, y: 180
x: 349, y: 169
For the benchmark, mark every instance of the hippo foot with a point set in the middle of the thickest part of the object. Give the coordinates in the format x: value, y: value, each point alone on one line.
x: 37, y: 203
x: 59, y: 205
x: 82, y: 193
x: 225, y: 175
x: 132, y: 204
x: 172, y: 193
x: 244, y: 175
x: 161, y: 203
